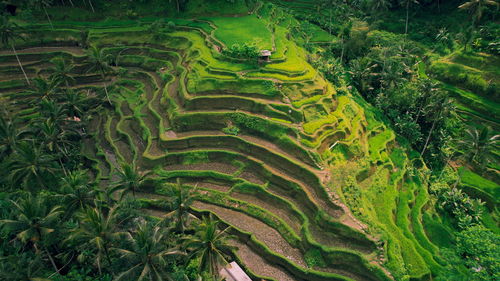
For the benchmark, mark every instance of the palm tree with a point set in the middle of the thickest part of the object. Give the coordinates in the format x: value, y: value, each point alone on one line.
x: 77, y: 192
x: 438, y: 110
x: 407, y: 5
x: 209, y: 244
x: 362, y: 73
x: 9, y: 33
x: 61, y: 72
x: 146, y: 250
x: 33, y: 223
x: 10, y: 134
x: 49, y: 109
x: 55, y: 138
x: 476, y: 8
x: 478, y: 144
x: 75, y: 103
x: 29, y: 165
x: 24, y: 266
x: 130, y: 179
x: 392, y: 75
x: 43, y: 4
x: 43, y: 88
x: 97, y: 230
x: 99, y: 62
x: 380, y: 5
x: 182, y: 198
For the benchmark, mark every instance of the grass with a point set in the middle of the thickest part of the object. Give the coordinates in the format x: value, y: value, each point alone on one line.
x: 470, y: 178
x: 240, y: 30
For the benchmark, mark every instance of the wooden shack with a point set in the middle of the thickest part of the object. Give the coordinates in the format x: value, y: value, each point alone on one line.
x: 265, y: 55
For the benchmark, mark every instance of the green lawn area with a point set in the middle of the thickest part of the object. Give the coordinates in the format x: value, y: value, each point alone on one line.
x: 472, y: 179
x: 240, y: 30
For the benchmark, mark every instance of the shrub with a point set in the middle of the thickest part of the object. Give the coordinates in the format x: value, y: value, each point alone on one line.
x: 231, y: 130
x: 170, y: 26
x: 314, y: 258
x: 245, y: 51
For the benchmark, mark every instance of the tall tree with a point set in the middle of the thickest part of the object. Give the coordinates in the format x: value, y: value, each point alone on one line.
x: 209, y: 244
x: 98, y: 230
x: 437, y: 110
x: 9, y: 32
x: 146, y: 249
x: 61, y: 72
x: 476, y: 9
x: 182, y: 198
x: 77, y: 192
x: 99, y: 62
x: 29, y: 165
x: 130, y: 179
x: 43, y: 4
x: 478, y: 145
x: 407, y: 4
x: 43, y: 88
x: 10, y: 134
x: 34, y: 221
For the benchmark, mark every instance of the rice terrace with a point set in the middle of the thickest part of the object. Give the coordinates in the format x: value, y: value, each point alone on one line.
x: 280, y: 140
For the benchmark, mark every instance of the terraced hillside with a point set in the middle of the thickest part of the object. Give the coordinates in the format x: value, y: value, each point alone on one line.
x: 273, y: 149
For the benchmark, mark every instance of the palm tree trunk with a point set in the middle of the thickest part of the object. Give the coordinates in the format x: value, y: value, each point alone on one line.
x: 48, y: 18
x: 407, y: 12
x: 429, y: 136
x: 71, y: 2
x: 105, y: 88
x: 91, y: 6
x: 62, y: 166
x: 342, y: 50
x: 20, y: 65
x: 107, y: 256
x: 178, y: 7
x: 51, y: 259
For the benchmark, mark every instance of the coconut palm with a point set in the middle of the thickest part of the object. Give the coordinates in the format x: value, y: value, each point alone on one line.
x: 23, y: 266
x: 49, y: 109
x: 98, y: 230
x: 43, y: 88
x: 99, y: 62
x: 9, y: 32
x: 54, y: 138
x: 34, y: 221
x: 362, y: 73
x: 44, y: 4
x: 129, y: 179
x: 392, y: 75
x: 209, y: 244
x: 437, y: 110
x: 77, y: 192
x: 380, y: 5
x: 476, y: 8
x: 147, y: 250
x: 407, y: 3
x: 478, y: 145
x: 75, y: 103
x: 61, y: 72
x: 29, y: 165
x: 10, y: 134
x: 182, y: 198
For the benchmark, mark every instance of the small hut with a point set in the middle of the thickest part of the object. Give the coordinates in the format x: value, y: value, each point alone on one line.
x: 233, y: 272
x: 265, y: 55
